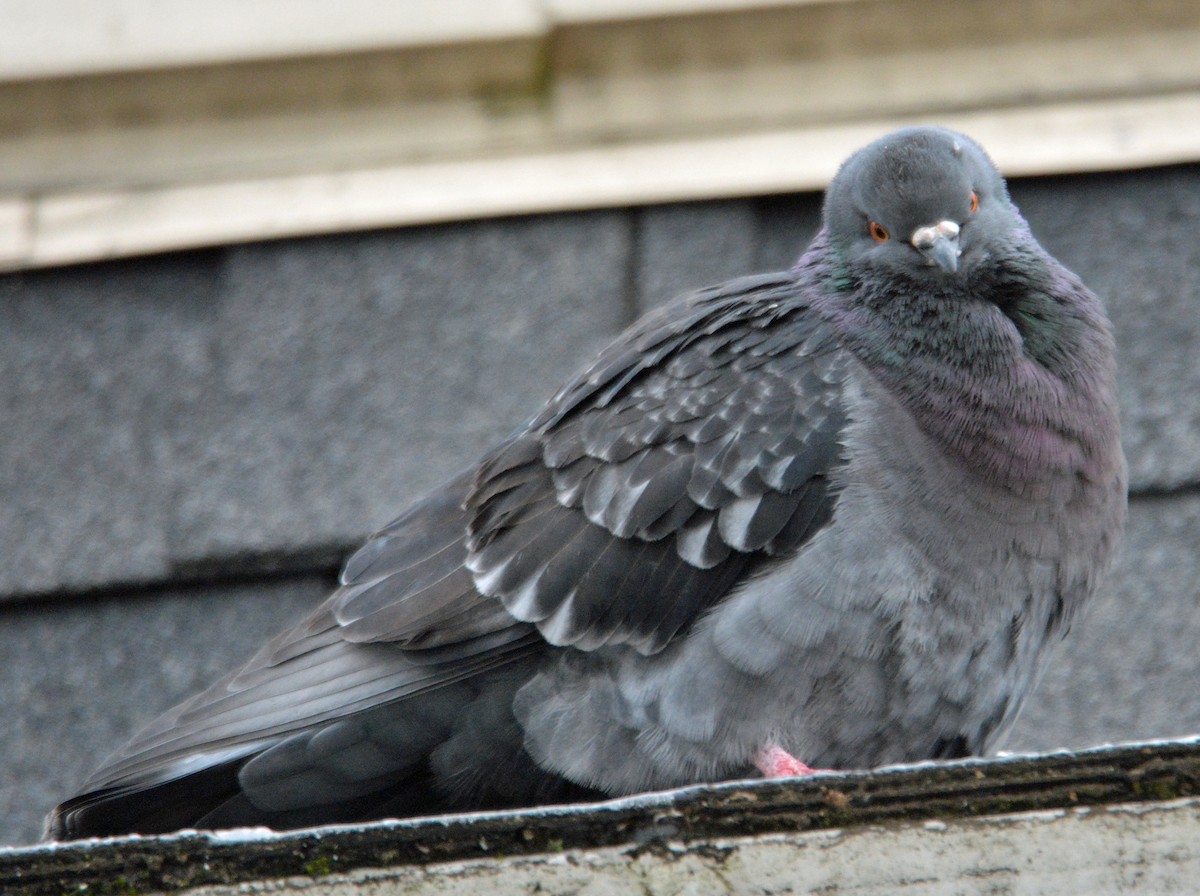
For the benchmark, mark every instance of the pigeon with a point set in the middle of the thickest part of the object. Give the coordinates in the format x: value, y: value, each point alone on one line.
x: 831, y: 518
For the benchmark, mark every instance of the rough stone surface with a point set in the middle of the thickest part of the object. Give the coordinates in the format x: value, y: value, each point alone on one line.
x: 1148, y: 850
x: 355, y: 372
x: 98, y: 367
x: 192, y: 411
x: 689, y: 246
x: 81, y: 677
x: 786, y: 225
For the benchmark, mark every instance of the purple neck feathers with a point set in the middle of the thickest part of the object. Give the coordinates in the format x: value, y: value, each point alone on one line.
x: 1009, y: 369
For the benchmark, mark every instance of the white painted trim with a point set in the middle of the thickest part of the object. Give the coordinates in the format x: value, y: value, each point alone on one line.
x: 56, y: 229
x: 267, y: 121
x: 53, y: 38
x: 577, y: 11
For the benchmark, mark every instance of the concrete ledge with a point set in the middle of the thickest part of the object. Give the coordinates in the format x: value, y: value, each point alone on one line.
x: 1102, y: 820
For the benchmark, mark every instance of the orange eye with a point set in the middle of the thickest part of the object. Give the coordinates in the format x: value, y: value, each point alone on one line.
x: 974, y: 202
x: 878, y: 234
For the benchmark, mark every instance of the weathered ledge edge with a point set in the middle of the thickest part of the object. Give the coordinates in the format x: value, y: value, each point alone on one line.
x: 1156, y: 771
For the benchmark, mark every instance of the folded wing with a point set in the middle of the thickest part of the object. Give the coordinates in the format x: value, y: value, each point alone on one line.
x: 698, y: 447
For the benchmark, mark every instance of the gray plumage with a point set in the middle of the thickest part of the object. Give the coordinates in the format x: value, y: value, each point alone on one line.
x: 841, y: 510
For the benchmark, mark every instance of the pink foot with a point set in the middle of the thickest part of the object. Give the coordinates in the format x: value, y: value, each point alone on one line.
x: 776, y: 762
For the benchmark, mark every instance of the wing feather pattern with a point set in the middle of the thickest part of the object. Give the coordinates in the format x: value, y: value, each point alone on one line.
x: 700, y: 444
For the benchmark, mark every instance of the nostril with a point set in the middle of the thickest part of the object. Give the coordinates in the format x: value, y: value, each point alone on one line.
x: 925, y: 237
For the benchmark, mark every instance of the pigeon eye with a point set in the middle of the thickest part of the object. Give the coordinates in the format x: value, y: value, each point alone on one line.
x: 974, y: 202
x: 878, y: 234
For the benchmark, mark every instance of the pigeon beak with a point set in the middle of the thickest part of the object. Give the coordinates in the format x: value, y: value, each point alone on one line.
x: 939, y: 243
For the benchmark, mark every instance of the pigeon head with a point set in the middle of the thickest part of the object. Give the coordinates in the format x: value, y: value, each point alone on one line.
x: 917, y: 203
x: 932, y: 279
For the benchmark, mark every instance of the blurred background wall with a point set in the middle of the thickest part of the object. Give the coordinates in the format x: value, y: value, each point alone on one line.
x: 269, y: 270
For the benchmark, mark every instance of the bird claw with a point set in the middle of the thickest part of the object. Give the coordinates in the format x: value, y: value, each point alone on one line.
x: 776, y: 762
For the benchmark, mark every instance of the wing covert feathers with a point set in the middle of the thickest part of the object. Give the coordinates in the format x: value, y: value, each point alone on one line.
x: 695, y: 448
